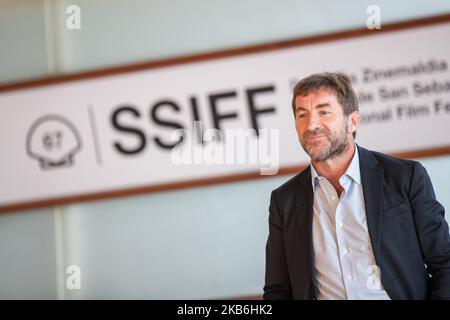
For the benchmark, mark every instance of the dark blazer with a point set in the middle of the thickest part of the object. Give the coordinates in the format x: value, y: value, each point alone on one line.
x: 406, y: 224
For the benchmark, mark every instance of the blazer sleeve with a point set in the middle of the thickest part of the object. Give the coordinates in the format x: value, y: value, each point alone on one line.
x: 277, y: 283
x: 432, y: 231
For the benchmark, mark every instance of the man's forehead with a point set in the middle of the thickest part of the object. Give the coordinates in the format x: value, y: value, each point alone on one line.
x: 319, y: 96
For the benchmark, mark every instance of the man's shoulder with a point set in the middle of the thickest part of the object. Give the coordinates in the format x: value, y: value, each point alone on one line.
x: 389, y: 163
x: 293, y: 183
x: 395, y: 167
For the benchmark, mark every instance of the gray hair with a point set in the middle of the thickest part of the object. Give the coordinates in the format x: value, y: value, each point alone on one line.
x: 337, y: 82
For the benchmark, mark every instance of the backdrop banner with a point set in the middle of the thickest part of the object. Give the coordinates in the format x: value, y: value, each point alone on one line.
x: 120, y: 131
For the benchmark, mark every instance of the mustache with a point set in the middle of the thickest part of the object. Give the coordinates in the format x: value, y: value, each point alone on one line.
x: 315, y: 133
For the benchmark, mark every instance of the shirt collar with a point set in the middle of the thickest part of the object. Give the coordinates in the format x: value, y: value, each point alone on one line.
x: 352, y: 171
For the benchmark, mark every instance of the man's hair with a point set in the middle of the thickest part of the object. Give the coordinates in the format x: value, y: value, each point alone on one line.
x: 337, y: 82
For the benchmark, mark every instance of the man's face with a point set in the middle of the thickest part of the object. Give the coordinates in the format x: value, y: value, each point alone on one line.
x: 321, y: 125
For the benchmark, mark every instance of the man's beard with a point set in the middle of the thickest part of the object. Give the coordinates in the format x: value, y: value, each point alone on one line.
x: 335, y: 145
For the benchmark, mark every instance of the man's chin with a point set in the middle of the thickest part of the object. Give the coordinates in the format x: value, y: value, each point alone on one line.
x: 317, y: 152
x: 315, y: 155
x: 312, y: 146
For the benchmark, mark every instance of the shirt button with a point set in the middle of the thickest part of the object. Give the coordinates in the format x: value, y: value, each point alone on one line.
x: 349, y: 277
x: 346, y: 250
x: 333, y: 198
x: 341, y: 225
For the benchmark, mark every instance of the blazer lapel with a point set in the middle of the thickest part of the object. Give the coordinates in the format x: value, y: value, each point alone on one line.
x: 304, y: 198
x: 372, y: 182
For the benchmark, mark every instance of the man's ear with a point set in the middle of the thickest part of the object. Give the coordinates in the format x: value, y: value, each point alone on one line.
x: 353, y: 121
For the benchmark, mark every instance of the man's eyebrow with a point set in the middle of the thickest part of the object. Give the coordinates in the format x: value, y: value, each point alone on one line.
x: 299, y: 108
x: 320, y: 105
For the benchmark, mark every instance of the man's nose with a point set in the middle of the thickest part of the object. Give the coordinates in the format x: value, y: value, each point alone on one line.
x: 313, y: 123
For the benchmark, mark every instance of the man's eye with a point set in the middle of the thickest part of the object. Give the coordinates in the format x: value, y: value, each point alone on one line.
x: 324, y: 112
x: 301, y: 116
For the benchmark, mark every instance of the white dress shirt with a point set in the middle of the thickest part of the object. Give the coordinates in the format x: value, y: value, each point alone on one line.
x: 345, y: 265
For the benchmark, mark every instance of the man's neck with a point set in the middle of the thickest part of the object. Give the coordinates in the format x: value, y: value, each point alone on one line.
x: 333, y: 169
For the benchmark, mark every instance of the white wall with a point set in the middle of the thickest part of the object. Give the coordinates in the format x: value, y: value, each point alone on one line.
x: 196, y: 243
x: 27, y: 255
x: 22, y: 35
x: 438, y: 169
x: 120, y: 31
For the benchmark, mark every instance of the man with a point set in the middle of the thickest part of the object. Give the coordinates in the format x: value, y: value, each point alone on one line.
x: 355, y: 224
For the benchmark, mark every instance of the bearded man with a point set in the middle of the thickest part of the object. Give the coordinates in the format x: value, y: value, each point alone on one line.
x: 355, y: 224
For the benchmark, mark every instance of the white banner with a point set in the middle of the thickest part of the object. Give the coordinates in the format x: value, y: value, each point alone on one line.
x: 117, y: 132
